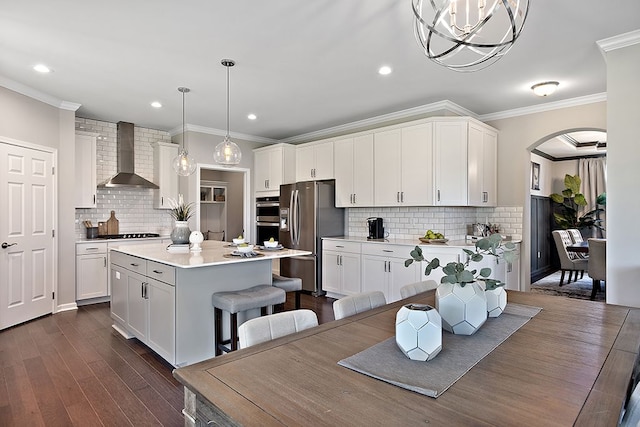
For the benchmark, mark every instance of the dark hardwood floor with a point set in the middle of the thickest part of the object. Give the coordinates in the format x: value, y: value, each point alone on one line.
x: 73, y: 369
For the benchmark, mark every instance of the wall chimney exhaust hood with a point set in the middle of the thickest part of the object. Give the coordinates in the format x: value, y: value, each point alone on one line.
x: 126, y: 177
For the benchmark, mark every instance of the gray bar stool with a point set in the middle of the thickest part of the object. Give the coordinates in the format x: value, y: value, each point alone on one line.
x: 288, y: 284
x: 261, y: 296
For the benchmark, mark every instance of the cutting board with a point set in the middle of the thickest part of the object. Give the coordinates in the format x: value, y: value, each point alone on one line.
x: 113, y: 224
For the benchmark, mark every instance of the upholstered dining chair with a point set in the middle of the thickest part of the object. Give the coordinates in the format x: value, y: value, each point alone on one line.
x: 569, y: 261
x: 597, y: 263
x: 354, y: 304
x: 270, y: 327
x: 417, y: 288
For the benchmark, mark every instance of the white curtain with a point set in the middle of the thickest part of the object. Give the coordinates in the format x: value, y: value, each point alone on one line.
x: 593, y: 173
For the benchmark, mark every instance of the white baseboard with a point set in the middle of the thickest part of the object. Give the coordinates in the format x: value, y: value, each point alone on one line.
x: 122, y: 331
x: 66, y: 307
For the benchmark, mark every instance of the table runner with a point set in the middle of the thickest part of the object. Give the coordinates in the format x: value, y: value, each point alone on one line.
x: 386, y: 362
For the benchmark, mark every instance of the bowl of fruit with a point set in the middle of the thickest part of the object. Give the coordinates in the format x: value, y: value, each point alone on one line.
x: 433, y: 237
x: 238, y: 240
x: 245, y: 248
x: 271, y: 243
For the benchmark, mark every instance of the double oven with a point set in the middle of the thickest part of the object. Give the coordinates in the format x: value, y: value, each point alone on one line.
x: 267, y: 218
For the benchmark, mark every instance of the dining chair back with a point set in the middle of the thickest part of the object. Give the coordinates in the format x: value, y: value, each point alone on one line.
x: 417, y: 288
x: 597, y: 268
x: 354, y: 304
x: 569, y: 261
x: 267, y: 328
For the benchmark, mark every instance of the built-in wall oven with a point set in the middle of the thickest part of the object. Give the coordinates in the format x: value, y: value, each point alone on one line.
x: 267, y: 218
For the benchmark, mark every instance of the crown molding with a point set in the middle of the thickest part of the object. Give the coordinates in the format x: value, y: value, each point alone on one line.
x: 219, y: 132
x: 37, y: 95
x: 619, y: 41
x: 381, y: 120
x: 549, y: 106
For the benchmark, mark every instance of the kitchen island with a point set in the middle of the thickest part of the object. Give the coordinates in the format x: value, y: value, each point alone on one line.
x: 164, y: 299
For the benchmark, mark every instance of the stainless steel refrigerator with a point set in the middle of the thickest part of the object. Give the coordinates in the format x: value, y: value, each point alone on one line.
x: 308, y: 213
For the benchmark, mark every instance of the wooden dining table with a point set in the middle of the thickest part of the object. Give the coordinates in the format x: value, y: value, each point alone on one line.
x: 571, y: 364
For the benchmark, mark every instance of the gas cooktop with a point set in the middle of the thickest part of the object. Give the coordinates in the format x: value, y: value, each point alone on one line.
x: 129, y: 236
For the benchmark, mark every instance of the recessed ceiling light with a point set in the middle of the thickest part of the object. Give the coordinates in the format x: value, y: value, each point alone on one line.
x: 156, y: 104
x: 544, y: 88
x: 384, y: 70
x: 41, y: 68
x: 252, y: 116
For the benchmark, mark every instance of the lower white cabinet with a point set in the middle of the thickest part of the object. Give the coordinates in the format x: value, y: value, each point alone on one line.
x: 91, y: 271
x: 341, y: 267
x: 143, y: 302
x: 383, y: 269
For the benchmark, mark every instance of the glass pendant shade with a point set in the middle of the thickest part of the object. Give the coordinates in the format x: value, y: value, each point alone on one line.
x: 183, y: 164
x: 468, y: 35
x: 227, y: 153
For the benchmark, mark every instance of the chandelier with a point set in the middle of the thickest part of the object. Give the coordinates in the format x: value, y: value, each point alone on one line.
x: 227, y: 153
x: 183, y: 164
x: 468, y: 35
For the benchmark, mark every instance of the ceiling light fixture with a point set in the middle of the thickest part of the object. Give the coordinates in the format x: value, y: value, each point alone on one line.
x: 384, y: 70
x: 227, y: 153
x: 544, y: 88
x: 41, y: 68
x: 183, y: 164
x: 252, y: 116
x: 471, y: 38
x: 156, y: 104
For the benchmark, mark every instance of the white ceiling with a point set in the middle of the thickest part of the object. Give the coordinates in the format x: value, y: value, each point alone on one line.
x: 300, y: 66
x: 575, y: 144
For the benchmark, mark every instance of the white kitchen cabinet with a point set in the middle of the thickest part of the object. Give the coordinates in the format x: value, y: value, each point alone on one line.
x: 144, y: 302
x: 403, y: 166
x: 444, y: 254
x: 450, y: 162
x: 314, y: 161
x: 482, y: 155
x: 85, y: 171
x: 91, y: 271
x: 273, y: 166
x: 164, y: 175
x: 340, y: 267
x: 383, y: 269
x: 353, y: 164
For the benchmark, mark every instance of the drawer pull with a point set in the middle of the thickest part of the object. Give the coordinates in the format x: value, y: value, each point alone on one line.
x: 387, y: 250
x: 135, y: 265
x: 339, y: 246
x: 157, y: 271
x: 91, y: 249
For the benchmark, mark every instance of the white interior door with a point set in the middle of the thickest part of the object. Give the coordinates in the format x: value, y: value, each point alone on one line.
x: 26, y: 228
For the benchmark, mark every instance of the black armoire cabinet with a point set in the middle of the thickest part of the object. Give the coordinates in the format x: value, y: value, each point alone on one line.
x: 544, y: 259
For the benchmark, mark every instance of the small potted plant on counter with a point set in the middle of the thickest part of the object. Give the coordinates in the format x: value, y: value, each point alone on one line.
x: 181, y: 212
x: 461, y: 300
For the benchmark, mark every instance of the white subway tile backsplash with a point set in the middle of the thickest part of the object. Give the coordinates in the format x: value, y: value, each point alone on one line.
x: 133, y: 206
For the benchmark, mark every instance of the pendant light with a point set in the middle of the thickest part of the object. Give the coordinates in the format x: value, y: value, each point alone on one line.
x: 183, y: 164
x: 227, y: 153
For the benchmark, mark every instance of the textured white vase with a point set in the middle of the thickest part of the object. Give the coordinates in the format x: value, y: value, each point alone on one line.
x: 496, y: 301
x: 419, y: 331
x: 463, y: 309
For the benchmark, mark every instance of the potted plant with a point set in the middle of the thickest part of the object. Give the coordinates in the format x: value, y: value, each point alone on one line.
x: 460, y: 299
x: 571, y: 201
x: 181, y: 212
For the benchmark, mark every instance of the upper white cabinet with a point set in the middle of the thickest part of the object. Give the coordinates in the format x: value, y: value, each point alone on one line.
x: 85, y: 168
x: 482, y: 155
x: 354, y: 171
x: 164, y: 175
x: 314, y: 161
x: 450, y: 162
x: 403, y: 166
x: 273, y: 166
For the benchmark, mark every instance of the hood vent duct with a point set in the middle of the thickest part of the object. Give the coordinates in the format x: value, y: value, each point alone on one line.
x: 126, y: 177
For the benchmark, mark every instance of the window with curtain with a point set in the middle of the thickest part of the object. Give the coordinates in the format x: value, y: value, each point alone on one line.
x: 593, y: 173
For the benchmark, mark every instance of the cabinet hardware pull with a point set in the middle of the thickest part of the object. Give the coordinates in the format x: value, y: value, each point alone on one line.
x: 402, y: 196
x: 105, y: 261
x: 142, y: 290
x: 387, y: 250
x: 94, y: 199
x: 157, y: 271
x: 354, y: 198
x: 339, y: 246
x: 135, y: 265
x: 438, y: 195
x: 398, y: 197
x: 92, y: 249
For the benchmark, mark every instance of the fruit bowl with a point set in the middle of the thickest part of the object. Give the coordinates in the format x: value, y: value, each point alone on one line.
x: 270, y: 244
x: 238, y: 241
x: 425, y: 240
x: 245, y: 249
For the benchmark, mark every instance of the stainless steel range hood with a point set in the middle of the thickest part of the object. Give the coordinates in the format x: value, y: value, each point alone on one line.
x: 126, y: 177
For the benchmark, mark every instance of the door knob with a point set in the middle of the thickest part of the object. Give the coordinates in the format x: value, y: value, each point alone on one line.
x: 5, y: 245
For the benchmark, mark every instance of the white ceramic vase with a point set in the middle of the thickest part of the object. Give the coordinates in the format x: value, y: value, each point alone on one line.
x: 463, y: 309
x: 180, y: 233
x: 496, y: 301
x: 419, y: 331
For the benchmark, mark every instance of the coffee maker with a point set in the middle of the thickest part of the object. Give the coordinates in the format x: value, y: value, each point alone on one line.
x: 376, y: 230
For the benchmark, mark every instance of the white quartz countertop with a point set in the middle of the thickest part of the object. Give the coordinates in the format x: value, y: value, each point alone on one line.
x: 412, y: 242
x: 213, y: 253
x: 111, y: 241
